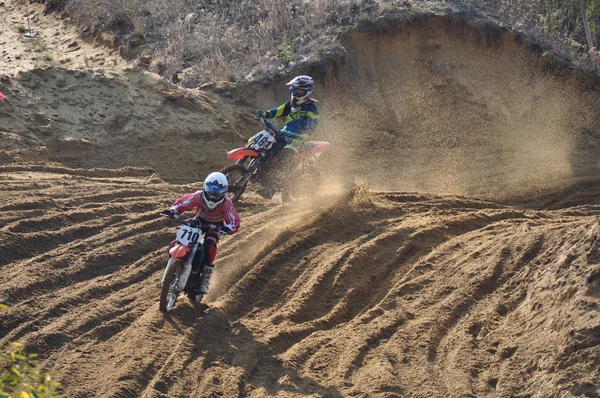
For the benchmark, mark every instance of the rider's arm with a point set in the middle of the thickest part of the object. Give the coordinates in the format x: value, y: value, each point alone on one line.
x: 188, y: 202
x: 301, y: 128
x: 231, y: 219
x: 280, y: 111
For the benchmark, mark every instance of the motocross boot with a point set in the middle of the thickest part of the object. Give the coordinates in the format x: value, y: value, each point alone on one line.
x: 266, y: 192
x: 205, y: 280
x: 272, y: 182
x: 194, y: 287
x: 268, y: 185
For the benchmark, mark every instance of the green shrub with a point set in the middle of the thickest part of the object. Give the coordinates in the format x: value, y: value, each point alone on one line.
x: 19, y: 374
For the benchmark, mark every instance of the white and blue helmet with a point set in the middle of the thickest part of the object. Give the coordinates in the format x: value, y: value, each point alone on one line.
x: 301, y: 88
x: 214, y: 190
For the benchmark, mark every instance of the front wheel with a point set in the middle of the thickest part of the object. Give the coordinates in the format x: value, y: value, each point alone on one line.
x: 168, y: 291
x: 235, y: 174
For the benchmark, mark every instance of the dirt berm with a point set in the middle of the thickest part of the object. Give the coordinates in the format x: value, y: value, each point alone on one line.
x: 452, y: 252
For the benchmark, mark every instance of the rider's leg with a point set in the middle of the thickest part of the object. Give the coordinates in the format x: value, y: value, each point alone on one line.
x: 210, y: 253
x: 196, y: 267
x: 276, y: 174
x: 194, y: 278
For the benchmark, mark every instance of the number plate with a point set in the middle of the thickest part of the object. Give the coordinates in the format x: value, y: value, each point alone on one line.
x: 187, y: 236
x: 262, y: 141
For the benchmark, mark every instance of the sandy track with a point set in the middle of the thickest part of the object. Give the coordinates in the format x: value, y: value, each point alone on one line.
x: 364, y: 293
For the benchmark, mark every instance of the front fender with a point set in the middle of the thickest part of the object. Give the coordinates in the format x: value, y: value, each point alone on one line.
x: 179, y: 251
x: 239, y: 153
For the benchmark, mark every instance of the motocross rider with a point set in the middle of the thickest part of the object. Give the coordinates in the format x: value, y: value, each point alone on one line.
x: 301, y: 119
x: 214, y: 209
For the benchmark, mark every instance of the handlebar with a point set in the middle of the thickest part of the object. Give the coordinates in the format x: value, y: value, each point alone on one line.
x: 182, y: 220
x: 185, y: 221
x: 271, y: 126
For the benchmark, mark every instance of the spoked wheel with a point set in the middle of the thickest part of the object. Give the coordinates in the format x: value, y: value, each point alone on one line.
x: 235, y: 177
x: 169, y: 292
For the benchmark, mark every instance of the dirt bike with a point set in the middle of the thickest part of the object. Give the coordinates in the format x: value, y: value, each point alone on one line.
x: 261, y: 151
x: 188, y: 243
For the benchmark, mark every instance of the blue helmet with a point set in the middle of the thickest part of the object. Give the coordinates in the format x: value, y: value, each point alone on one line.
x: 301, y: 88
x: 214, y: 190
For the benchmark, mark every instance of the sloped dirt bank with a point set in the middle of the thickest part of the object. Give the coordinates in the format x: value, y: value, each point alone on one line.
x: 456, y: 106
x: 111, y: 120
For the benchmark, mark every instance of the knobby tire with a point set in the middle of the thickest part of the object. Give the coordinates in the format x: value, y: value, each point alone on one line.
x: 238, y: 190
x: 164, y: 291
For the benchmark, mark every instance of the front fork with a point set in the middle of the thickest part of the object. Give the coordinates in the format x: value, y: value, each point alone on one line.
x: 242, y: 160
x: 185, y: 273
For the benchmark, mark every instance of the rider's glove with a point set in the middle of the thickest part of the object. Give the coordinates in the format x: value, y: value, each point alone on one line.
x: 168, y: 213
x: 219, y: 231
x: 223, y: 231
x: 260, y: 113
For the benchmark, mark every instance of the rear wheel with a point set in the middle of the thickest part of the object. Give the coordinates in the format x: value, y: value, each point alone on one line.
x: 235, y: 177
x: 306, y: 183
x: 168, y: 291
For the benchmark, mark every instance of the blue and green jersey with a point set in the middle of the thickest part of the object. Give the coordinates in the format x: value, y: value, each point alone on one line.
x: 300, y: 121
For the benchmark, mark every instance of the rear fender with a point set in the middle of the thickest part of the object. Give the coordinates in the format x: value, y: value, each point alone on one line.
x: 240, y: 153
x: 312, y: 148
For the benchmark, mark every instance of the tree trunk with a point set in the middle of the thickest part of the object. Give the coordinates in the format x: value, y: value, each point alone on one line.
x: 588, y: 34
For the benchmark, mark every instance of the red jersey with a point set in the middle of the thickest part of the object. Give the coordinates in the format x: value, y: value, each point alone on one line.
x: 225, y: 214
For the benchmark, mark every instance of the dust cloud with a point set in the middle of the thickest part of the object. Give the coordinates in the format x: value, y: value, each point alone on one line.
x: 428, y: 109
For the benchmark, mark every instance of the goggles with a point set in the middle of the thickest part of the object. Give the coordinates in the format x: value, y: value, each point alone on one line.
x: 298, y: 92
x: 214, y: 197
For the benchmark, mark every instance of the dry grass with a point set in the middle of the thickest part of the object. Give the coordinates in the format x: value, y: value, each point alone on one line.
x: 194, y: 42
x: 219, y: 39
x: 558, y: 29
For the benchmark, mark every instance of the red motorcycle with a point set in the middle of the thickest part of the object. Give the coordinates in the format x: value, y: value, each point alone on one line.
x: 261, y: 152
x: 176, y: 279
